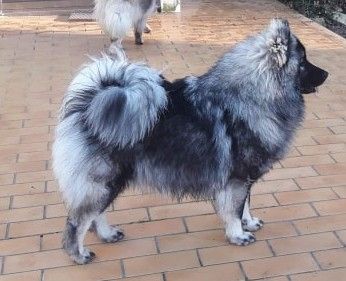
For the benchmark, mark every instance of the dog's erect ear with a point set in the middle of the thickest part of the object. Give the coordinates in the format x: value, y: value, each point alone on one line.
x: 277, y: 39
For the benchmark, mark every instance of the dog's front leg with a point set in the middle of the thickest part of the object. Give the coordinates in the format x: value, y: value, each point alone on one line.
x: 249, y: 222
x: 230, y: 204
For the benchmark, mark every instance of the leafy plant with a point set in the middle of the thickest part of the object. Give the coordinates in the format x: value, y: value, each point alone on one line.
x: 322, y: 11
x: 317, y: 8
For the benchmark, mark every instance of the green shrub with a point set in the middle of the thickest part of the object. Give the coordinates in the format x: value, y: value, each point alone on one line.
x: 317, y: 8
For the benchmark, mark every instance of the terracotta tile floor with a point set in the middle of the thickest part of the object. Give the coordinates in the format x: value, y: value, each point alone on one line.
x: 303, y: 200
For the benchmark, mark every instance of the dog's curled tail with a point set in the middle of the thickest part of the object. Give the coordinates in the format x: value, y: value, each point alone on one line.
x: 118, y: 102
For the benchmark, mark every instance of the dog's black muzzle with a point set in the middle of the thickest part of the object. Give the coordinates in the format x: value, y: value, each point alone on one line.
x: 312, y: 77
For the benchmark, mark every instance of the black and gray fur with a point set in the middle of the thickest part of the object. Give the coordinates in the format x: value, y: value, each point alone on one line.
x: 210, y: 137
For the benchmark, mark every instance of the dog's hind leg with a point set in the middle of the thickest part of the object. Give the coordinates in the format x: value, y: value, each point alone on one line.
x: 91, y: 213
x: 104, y: 231
x: 230, y: 204
x: 249, y: 222
x: 90, y: 201
x: 139, y: 29
x: 78, y: 223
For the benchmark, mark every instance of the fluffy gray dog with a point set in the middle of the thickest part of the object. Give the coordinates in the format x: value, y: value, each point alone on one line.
x: 210, y: 137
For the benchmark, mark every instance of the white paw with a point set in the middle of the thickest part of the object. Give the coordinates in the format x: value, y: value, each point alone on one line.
x: 243, y: 239
x: 113, y: 234
x: 147, y: 29
x: 252, y: 224
x: 84, y: 258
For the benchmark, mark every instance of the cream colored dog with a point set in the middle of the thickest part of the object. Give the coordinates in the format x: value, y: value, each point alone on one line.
x: 117, y: 17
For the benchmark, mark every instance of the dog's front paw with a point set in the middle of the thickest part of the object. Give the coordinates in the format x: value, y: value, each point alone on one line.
x: 252, y: 224
x: 84, y: 258
x: 114, y: 235
x: 243, y: 239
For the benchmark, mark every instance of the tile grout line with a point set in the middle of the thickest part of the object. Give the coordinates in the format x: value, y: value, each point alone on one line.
x: 44, y: 211
x: 122, y: 268
x: 157, y: 244
x: 185, y: 225
x: 199, y: 258
x: 330, y: 130
x: 296, y: 228
x: 2, y: 265
x: 10, y: 207
x: 297, y: 184
x: 276, y: 199
x: 7, y: 231
x: 336, y: 194
x: 313, y: 168
x: 46, y: 165
x: 317, y: 142
x: 46, y: 188
x: 270, y: 247
x: 148, y: 213
x: 242, y: 269
x: 14, y: 178
x: 331, y: 156
x: 338, y: 238
x: 42, y: 275
x: 315, y: 260
x: 314, y: 208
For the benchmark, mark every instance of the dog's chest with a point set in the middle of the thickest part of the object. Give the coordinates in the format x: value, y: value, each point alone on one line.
x: 256, y: 146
